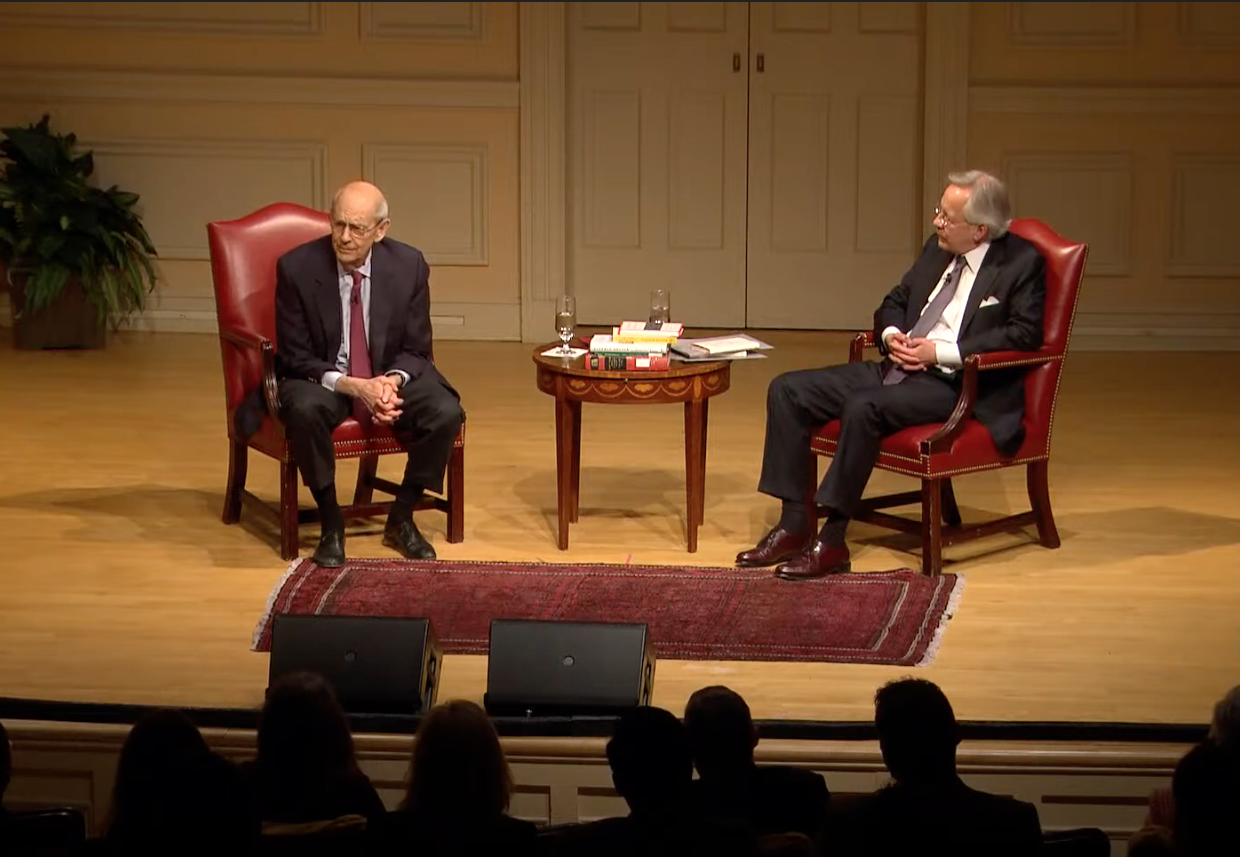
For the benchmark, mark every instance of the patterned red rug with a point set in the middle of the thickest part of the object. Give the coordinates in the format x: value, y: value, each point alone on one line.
x: 895, y: 618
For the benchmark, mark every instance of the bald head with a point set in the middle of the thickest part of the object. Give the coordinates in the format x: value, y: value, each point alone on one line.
x: 359, y: 218
x: 362, y: 197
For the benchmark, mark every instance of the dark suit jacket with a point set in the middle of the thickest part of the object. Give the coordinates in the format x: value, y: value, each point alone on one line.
x: 770, y: 798
x: 954, y: 820
x: 1014, y: 274
x: 309, y: 324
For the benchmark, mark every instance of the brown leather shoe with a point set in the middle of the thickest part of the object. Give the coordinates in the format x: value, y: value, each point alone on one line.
x: 776, y: 546
x: 818, y: 561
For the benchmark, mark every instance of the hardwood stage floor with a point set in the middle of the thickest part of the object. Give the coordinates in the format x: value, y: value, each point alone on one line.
x: 120, y: 583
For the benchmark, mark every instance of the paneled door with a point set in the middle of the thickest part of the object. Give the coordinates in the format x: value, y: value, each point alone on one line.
x: 834, y: 160
x: 656, y: 141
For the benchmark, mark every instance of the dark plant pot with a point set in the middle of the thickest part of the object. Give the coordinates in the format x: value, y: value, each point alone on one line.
x: 68, y: 322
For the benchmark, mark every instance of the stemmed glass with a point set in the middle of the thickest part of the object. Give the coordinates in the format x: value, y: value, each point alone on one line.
x: 565, y: 321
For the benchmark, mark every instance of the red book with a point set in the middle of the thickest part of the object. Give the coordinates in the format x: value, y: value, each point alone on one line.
x: 628, y: 362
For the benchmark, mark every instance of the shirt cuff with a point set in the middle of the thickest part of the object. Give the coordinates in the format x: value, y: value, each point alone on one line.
x: 887, y: 331
x: 947, y: 354
x: 404, y: 376
x: 330, y: 378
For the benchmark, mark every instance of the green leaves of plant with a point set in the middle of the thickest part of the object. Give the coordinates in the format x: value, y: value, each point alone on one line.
x: 56, y: 225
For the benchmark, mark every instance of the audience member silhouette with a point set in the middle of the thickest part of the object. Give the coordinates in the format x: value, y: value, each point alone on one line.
x: 927, y: 809
x: 1224, y: 733
x: 6, y: 769
x: 305, y: 769
x: 652, y: 769
x: 1206, y: 787
x: 771, y: 798
x: 173, y: 795
x: 459, y: 791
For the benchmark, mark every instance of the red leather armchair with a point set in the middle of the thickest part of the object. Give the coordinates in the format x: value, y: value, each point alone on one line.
x: 937, y: 452
x: 243, y: 270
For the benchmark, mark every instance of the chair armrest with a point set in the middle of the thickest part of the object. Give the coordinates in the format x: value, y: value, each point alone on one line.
x: 1009, y: 359
x: 942, y: 440
x: 862, y: 340
x: 252, y: 341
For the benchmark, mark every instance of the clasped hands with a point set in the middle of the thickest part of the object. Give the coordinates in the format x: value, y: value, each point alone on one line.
x: 379, y: 395
x: 912, y: 354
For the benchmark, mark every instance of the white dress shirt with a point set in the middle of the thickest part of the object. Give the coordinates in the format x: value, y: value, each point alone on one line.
x: 344, y: 281
x: 946, y: 330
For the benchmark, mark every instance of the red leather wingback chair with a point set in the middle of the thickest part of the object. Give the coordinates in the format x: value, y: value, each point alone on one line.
x: 243, y: 269
x: 937, y: 452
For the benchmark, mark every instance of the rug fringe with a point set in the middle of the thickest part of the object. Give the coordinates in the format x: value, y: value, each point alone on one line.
x: 949, y: 611
x: 271, y: 603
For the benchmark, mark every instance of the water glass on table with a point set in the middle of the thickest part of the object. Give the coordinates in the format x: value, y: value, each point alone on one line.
x: 565, y: 321
x: 660, y: 306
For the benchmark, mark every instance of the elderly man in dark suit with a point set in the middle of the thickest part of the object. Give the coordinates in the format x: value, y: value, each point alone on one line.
x: 975, y: 288
x: 354, y: 333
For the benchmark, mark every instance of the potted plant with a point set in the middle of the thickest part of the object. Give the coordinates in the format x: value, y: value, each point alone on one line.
x: 77, y: 256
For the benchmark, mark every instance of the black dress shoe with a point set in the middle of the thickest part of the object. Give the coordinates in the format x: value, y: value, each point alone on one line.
x: 776, y: 546
x: 818, y: 561
x: 330, y: 552
x: 406, y: 539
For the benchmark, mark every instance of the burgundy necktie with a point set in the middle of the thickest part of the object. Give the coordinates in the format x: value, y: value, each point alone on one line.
x: 930, y: 315
x: 359, y: 351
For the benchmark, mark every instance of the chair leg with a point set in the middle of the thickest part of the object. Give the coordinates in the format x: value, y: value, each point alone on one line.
x: 367, y: 467
x: 456, y: 495
x: 288, y: 510
x: 1040, y: 500
x: 951, y: 512
x: 238, y: 463
x: 931, y: 528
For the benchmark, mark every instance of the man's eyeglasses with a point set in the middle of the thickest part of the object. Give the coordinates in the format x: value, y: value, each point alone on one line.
x: 940, y: 214
x: 360, y: 232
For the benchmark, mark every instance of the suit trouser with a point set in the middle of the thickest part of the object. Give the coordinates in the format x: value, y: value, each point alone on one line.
x: 801, y: 401
x: 428, y: 425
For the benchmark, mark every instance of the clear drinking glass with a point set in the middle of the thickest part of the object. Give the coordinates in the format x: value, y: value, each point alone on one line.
x: 660, y: 306
x: 565, y: 320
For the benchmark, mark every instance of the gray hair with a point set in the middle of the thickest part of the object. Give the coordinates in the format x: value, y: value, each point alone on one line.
x: 1225, y: 727
x: 988, y: 205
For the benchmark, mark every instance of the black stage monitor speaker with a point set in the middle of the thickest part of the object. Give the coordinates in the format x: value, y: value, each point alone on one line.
x: 377, y: 664
x: 540, y: 669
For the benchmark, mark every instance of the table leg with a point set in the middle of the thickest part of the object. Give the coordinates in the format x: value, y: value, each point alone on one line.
x: 563, y: 466
x: 701, y: 516
x: 694, y: 459
x: 576, y: 477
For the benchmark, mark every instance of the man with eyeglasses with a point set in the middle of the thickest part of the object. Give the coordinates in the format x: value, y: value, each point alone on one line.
x: 975, y: 288
x: 354, y: 339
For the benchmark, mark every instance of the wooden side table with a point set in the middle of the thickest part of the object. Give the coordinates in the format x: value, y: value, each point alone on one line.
x: 572, y: 383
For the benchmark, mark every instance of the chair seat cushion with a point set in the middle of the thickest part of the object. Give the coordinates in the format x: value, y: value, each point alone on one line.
x: 348, y: 440
x: 901, y: 452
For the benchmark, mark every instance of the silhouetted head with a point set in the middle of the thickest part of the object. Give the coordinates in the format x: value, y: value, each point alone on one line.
x: 303, y: 732
x: 6, y: 760
x: 1225, y: 726
x: 1206, y: 788
x: 458, y: 769
x: 651, y: 762
x: 917, y: 730
x: 158, y: 774
x: 721, y: 731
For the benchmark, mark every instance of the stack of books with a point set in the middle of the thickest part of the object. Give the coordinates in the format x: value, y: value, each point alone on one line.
x: 633, y: 346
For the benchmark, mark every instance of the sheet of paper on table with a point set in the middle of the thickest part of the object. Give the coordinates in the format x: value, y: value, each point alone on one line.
x: 571, y: 354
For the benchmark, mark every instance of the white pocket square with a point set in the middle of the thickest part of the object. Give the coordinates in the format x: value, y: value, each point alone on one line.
x: 990, y: 301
